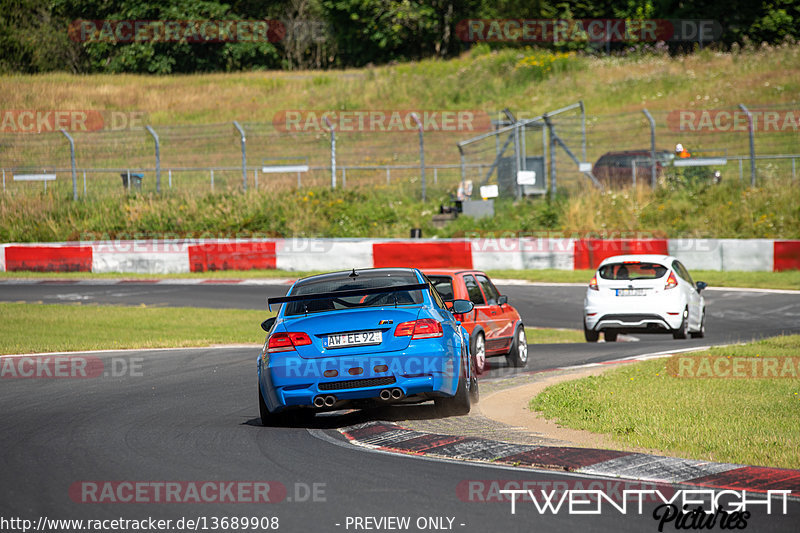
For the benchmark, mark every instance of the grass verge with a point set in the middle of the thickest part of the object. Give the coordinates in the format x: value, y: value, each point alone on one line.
x: 789, y: 280
x: 760, y: 280
x: 28, y: 328
x: 746, y: 420
x: 553, y: 335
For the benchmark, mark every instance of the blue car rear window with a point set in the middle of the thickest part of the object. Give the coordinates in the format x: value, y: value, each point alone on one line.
x: 346, y: 283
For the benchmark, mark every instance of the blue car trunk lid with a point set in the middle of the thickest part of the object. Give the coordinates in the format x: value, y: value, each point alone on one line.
x: 319, y: 326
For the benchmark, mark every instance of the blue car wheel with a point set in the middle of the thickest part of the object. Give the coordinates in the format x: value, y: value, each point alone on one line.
x: 456, y: 405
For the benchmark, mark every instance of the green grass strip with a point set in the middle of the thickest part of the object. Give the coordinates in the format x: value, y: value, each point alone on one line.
x: 747, y: 420
x: 553, y: 335
x: 32, y: 328
x: 28, y: 328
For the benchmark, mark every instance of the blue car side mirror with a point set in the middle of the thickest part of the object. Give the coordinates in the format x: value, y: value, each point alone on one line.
x: 267, y: 324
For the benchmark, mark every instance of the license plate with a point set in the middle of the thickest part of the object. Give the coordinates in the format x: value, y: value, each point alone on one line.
x: 358, y: 338
x: 631, y: 292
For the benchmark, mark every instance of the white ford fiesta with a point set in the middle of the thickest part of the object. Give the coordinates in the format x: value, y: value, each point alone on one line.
x: 643, y: 294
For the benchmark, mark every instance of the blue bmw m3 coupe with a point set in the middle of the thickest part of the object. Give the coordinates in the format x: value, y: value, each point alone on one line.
x: 364, y: 338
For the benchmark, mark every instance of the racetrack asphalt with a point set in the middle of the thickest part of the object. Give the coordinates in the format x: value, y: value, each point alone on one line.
x: 191, y: 415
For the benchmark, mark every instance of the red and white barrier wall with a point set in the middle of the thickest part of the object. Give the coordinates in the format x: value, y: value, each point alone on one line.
x: 526, y: 253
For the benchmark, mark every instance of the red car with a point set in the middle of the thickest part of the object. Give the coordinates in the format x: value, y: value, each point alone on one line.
x: 494, y: 326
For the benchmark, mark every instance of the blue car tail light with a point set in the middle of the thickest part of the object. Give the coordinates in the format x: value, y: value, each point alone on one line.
x: 424, y: 328
x: 286, y: 342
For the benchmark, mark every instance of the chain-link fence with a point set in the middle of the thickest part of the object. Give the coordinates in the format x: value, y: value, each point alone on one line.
x: 210, y: 158
x: 565, y: 149
x: 574, y: 150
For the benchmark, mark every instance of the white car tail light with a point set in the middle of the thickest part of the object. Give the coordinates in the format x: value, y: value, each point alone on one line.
x: 672, y: 281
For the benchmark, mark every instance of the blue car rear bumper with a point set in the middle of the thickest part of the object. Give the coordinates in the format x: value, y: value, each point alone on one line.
x: 287, y: 380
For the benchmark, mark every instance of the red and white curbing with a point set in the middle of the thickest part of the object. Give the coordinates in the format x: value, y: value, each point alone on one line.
x: 390, y: 437
x: 525, y: 253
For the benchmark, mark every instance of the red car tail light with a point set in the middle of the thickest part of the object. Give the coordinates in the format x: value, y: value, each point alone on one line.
x: 593, y: 284
x: 286, y: 342
x: 672, y: 282
x: 424, y: 328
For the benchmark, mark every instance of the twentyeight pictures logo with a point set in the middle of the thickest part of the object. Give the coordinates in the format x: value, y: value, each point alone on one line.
x: 72, y: 120
x: 295, y: 121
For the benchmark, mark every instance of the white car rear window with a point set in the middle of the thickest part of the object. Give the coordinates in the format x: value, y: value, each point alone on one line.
x: 632, y: 271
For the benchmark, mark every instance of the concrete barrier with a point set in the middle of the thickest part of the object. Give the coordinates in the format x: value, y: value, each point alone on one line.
x: 48, y: 258
x: 424, y: 254
x: 496, y: 254
x: 323, y: 254
x: 179, y: 256
x: 141, y: 257
x: 697, y: 254
x: 749, y: 255
x: 786, y: 256
x: 546, y: 253
x: 589, y: 253
x: 232, y: 255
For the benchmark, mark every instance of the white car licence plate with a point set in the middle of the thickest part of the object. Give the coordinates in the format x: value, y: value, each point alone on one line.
x: 631, y: 292
x: 358, y: 338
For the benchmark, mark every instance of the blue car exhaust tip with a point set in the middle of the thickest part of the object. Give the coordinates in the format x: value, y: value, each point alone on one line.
x: 325, y: 401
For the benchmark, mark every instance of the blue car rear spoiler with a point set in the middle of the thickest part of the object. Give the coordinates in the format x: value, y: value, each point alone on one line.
x: 340, y: 294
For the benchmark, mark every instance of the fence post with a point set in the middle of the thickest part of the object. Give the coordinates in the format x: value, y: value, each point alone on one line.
x: 388, y: 175
x: 244, y: 156
x: 544, y: 154
x: 436, y: 174
x: 84, y: 183
x: 583, y: 130
x: 72, y: 159
x: 255, y: 178
x: 158, y: 157
x: 517, y: 155
x: 170, y: 178
x: 652, y: 147
x: 552, y: 154
x: 333, y: 152
x: 4, y: 178
x: 212, y: 179
x: 421, y: 152
x: 752, y: 145
x: 463, y: 166
x: 344, y: 177
x: 129, y: 180
x: 793, y: 175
